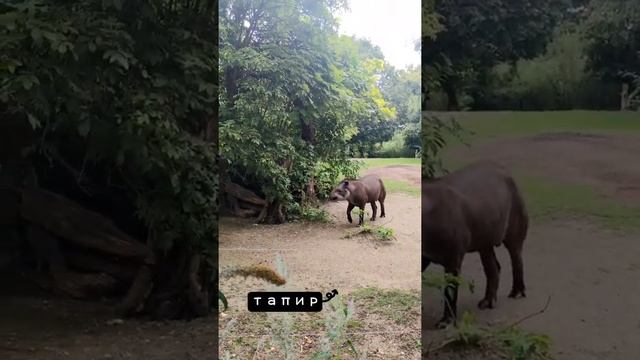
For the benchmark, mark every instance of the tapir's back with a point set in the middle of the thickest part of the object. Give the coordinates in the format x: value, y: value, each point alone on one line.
x: 486, y: 196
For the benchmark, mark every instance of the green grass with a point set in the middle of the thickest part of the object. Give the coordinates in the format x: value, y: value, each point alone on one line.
x: 487, y: 125
x: 380, y: 162
x: 547, y: 199
x: 397, y: 305
x: 401, y: 186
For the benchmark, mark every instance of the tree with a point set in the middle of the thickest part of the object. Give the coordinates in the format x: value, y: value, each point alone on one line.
x: 121, y: 100
x: 613, y: 30
x: 477, y: 35
x: 292, y: 96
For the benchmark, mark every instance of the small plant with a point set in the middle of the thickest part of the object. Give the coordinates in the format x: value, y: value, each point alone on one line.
x: 521, y: 345
x: 336, y: 322
x: 314, y: 214
x: 440, y: 281
x: 384, y: 233
x: 512, y: 342
x: 380, y: 232
x: 282, y: 331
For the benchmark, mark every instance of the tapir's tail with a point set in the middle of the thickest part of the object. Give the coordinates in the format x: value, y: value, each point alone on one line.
x: 383, y: 191
x: 518, y: 217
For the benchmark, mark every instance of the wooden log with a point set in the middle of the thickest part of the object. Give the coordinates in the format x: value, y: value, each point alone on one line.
x: 92, y: 262
x: 46, y: 249
x: 138, y: 292
x: 81, y: 285
x: 243, y: 194
x: 197, y: 294
x: 83, y: 227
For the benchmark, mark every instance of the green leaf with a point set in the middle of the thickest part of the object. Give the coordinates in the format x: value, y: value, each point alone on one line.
x: 84, y: 128
x: 116, y: 57
x: 36, y: 35
x: 35, y: 123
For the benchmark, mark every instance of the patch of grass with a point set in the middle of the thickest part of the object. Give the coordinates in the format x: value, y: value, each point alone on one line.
x: 401, y: 186
x: 314, y: 214
x: 380, y: 232
x: 546, y: 199
x: 509, y: 342
x: 487, y: 125
x: 380, y: 162
x: 506, y: 341
x: 392, y: 304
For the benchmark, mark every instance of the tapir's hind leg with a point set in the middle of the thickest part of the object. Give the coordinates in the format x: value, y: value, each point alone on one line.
x: 517, y: 268
x: 374, y: 209
x: 492, y: 272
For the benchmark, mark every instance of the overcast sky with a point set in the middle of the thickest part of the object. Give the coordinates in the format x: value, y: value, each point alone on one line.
x: 394, y: 26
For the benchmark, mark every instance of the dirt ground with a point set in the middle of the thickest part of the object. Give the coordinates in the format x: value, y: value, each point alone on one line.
x: 591, y: 274
x: 318, y: 257
x: 39, y: 326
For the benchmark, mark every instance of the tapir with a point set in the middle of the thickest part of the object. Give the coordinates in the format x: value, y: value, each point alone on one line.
x: 474, y: 209
x: 367, y: 189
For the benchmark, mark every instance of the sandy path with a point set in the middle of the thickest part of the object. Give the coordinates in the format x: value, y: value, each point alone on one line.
x: 319, y: 257
x: 591, y: 274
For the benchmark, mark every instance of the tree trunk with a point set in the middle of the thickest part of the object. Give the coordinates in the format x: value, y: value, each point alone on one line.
x: 272, y: 213
x: 452, y: 97
x: 624, y: 97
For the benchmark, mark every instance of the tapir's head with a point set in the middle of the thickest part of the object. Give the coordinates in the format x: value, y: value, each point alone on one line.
x: 341, y: 192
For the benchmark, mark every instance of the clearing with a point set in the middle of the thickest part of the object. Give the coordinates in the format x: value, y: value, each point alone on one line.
x: 581, y: 179
x: 382, y: 278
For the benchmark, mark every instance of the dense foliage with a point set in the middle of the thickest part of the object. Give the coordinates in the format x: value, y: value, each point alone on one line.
x: 122, y: 97
x: 530, y: 55
x: 477, y: 36
x: 296, y: 101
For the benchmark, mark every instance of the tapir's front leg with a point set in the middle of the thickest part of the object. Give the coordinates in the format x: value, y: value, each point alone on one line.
x: 451, y: 293
x: 349, y: 208
x: 361, y: 215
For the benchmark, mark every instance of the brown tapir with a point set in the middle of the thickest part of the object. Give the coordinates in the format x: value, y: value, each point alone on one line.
x: 473, y: 209
x: 367, y: 189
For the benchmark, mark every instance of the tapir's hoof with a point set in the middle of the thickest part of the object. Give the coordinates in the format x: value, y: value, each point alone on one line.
x: 514, y: 294
x: 444, y: 323
x: 382, y: 215
x: 373, y: 219
x: 350, y: 221
x: 486, y: 304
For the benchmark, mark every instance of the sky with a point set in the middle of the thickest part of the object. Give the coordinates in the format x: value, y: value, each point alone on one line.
x: 393, y: 25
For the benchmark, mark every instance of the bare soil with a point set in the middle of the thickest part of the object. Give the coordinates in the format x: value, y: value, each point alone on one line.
x: 38, y: 326
x: 320, y: 257
x: 608, y: 163
x: 592, y: 275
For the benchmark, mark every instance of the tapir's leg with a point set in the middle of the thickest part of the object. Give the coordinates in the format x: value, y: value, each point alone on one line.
x: 361, y: 215
x: 492, y: 272
x: 451, y: 294
x: 382, y: 214
x: 349, y: 208
x: 515, y: 252
x: 374, y: 208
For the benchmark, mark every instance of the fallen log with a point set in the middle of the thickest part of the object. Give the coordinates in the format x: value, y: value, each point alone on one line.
x: 138, y: 292
x: 46, y: 249
x: 83, y: 227
x: 243, y: 194
x: 92, y: 262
